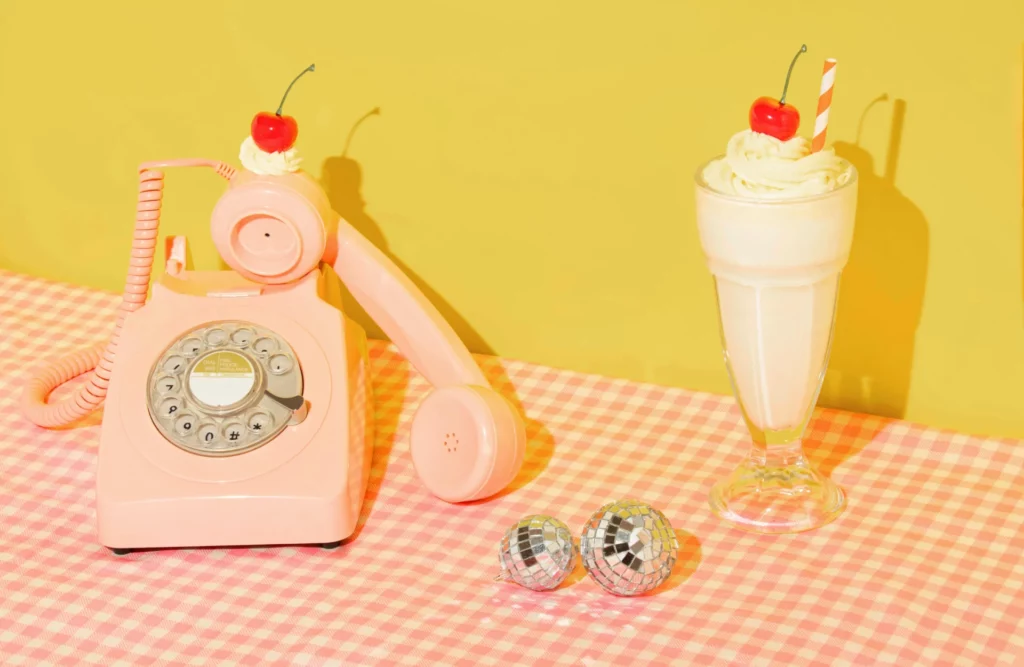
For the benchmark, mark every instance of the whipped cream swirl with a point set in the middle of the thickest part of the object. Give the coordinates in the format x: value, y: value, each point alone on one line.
x: 257, y: 160
x: 760, y: 166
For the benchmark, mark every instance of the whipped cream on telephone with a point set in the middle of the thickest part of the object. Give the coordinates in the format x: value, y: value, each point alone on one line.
x: 760, y: 166
x: 257, y: 160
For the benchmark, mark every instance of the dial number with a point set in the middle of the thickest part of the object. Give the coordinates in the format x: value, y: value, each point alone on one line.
x: 175, y: 364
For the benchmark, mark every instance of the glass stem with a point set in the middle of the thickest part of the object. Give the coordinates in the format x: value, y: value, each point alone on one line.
x: 778, y: 455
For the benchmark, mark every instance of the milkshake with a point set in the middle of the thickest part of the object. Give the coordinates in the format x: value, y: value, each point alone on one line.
x: 776, y: 226
x: 776, y: 223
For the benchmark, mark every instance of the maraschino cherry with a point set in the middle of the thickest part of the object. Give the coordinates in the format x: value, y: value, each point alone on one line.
x: 273, y: 132
x: 773, y: 116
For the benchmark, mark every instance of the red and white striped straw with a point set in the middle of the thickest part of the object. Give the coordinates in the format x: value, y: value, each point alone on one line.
x: 828, y: 80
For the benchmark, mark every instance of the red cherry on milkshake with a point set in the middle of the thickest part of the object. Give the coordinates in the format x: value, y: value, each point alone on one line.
x: 773, y: 116
x: 273, y: 132
x: 770, y: 116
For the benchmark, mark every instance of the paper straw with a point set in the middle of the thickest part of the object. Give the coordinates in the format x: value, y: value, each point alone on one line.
x: 828, y: 79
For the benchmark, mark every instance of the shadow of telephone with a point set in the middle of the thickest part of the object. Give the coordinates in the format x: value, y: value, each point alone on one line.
x: 238, y: 403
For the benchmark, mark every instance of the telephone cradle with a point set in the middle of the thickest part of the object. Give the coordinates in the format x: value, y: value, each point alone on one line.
x: 238, y: 403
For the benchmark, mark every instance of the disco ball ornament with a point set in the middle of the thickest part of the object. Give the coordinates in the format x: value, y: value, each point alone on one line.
x: 628, y: 547
x: 537, y: 553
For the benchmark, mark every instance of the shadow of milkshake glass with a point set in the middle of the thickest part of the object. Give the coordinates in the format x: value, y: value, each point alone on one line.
x: 776, y: 265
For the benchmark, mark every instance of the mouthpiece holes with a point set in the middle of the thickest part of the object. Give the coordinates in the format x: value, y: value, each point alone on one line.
x: 451, y: 442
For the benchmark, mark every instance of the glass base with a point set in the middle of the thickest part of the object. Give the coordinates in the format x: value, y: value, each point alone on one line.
x: 789, y: 498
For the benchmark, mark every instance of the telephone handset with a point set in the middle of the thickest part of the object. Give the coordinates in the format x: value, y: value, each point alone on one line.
x: 237, y: 402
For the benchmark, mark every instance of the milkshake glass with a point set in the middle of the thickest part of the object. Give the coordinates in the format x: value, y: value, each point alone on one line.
x: 776, y: 255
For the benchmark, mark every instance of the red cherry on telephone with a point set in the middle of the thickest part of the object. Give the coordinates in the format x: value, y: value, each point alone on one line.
x: 273, y: 132
x: 771, y: 117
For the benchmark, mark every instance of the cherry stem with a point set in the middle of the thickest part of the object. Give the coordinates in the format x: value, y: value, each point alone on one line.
x: 782, y: 100
x: 311, y: 68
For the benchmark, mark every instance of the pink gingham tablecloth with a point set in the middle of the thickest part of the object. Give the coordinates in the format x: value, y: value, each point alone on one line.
x: 924, y: 568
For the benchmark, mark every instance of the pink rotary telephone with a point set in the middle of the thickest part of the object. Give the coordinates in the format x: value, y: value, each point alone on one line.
x: 238, y: 409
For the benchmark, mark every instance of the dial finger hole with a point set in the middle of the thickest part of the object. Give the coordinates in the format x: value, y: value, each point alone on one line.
x: 280, y: 364
x: 191, y: 347
x: 242, y: 337
x: 233, y: 432
x: 259, y: 422
x: 208, y: 434
x: 170, y: 407
x: 216, y: 337
x: 168, y: 385
x: 264, y: 345
x: 174, y: 364
x: 185, y: 424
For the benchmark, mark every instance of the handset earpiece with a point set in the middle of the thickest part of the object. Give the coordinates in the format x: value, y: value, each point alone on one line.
x: 270, y: 229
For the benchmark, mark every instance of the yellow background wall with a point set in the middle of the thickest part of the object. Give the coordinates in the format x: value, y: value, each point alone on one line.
x: 532, y: 162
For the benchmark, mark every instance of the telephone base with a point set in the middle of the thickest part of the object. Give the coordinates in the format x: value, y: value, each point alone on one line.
x: 225, y: 520
x: 305, y: 486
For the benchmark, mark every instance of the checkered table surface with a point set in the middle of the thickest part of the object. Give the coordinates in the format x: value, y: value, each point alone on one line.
x: 926, y: 566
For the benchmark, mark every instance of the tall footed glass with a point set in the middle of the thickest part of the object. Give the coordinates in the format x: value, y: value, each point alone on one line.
x: 776, y: 266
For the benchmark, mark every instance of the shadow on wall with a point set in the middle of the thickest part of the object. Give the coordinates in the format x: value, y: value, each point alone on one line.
x: 342, y: 180
x: 882, y: 288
